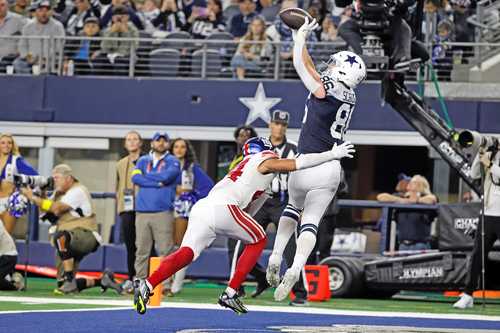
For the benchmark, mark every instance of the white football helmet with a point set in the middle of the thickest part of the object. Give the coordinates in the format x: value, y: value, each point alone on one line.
x: 346, y: 67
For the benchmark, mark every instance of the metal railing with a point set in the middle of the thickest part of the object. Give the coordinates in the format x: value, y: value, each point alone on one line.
x: 187, y: 58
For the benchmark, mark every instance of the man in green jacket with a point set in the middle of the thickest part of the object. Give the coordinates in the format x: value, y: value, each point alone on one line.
x: 116, y: 53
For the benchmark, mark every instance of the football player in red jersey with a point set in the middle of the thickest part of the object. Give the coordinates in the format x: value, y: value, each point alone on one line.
x: 228, y: 210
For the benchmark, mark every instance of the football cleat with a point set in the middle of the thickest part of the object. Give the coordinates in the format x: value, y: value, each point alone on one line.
x: 465, y: 302
x: 232, y: 303
x: 69, y: 286
x: 141, y: 295
x: 273, y: 271
x: 289, y: 279
x: 108, y: 281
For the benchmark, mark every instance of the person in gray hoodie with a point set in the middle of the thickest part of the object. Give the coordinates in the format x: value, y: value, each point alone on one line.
x: 35, y: 50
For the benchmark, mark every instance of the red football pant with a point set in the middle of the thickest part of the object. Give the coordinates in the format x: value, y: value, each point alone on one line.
x: 246, y: 262
x: 171, y: 264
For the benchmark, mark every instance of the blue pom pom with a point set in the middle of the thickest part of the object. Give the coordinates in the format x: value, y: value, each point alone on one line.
x: 18, y: 204
x: 183, y: 204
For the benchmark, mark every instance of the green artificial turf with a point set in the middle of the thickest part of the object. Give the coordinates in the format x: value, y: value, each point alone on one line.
x: 202, y: 292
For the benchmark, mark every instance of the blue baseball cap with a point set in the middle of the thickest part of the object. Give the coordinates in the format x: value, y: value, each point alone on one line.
x: 159, y: 135
x: 403, y: 176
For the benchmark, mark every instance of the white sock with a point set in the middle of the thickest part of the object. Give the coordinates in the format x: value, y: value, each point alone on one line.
x: 230, y: 292
x: 286, y: 228
x: 305, y: 245
x: 149, y: 285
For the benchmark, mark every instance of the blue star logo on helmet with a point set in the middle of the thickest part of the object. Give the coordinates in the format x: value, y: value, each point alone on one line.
x: 352, y: 60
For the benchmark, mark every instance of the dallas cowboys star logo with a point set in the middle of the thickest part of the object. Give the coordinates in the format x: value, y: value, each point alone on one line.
x: 352, y: 60
x: 259, y: 106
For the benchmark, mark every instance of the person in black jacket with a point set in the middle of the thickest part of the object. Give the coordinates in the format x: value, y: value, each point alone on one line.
x: 170, y: 19
x: 206, y: 20
x: 108, y: 15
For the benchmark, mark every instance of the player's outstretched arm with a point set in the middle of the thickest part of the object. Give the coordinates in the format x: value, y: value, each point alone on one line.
x: 302, y: 60
x: 307, y: 160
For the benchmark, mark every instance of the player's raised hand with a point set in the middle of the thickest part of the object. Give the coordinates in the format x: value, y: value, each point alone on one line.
x: 304, y: 31
x: 344, y: 150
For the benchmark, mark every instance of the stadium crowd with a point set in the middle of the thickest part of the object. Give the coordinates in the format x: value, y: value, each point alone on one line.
x: 253, y: 24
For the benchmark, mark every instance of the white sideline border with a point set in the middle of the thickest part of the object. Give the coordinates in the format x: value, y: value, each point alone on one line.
x: 127, y: 305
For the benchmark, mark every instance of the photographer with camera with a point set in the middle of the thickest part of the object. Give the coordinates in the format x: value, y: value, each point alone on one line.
x: 487, y: 163
x: 11, y: 163
x: 74, y: 231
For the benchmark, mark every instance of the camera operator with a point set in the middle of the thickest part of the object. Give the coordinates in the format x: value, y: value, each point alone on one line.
x: 401, y: 48
x: 488, y: 160
x: 70, y: 210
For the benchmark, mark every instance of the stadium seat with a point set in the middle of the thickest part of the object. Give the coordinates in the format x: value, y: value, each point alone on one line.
x: 169, y: 43
x: 213, y: 63
x: 164, y: 62
x: 227, y: 46
x: 143, y: 51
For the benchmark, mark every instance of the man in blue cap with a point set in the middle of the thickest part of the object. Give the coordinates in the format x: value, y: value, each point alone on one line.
x: 155, y: 174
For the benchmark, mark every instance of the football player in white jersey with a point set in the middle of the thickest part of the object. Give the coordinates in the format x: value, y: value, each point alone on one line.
x: 328, y: 112
x: 228, y: 210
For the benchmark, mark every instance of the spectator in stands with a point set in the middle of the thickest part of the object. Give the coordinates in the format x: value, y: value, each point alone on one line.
x: 321, y: 7
x: 187, y: 6
x: 252, y: 49
x: 125, y: 200
x: 11, y: 163
x: 171, y: 18
x: 76, y: 19
x: 464, y: 31
x: 116, y: 54
x: 21, y: 7
x: 269, y: 9
x: 9, y: 278
x: 193, y: 184
x: 240, y: 22
x: 414, y: 227
x: 329, y: 32
x: 399, y: 191
x: 156, y: 176
x: 149, y: 10
x: 439, y: 7
x: 70, y: 211
x: 441, y: 52
x: 107, y: 17
x: 31, y: 51
x: 206, y: 20
x: 84, y: 52
x: 11, y: 24
x: 231, y: 9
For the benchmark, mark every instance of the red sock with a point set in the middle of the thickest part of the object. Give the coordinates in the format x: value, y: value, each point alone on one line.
x: 246, y: 262
x: 171, y: 264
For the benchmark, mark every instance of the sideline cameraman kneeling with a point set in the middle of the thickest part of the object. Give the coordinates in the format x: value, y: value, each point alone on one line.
x: 490, y: 161
x: 70, y: 210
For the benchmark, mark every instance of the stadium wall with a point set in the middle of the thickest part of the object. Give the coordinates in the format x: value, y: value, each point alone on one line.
x: 51, y: 99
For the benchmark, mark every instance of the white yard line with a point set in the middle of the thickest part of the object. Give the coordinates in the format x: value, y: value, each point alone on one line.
x: 127, y: 305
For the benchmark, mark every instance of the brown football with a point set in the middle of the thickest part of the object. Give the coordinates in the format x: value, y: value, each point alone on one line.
x: 294, y: 17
